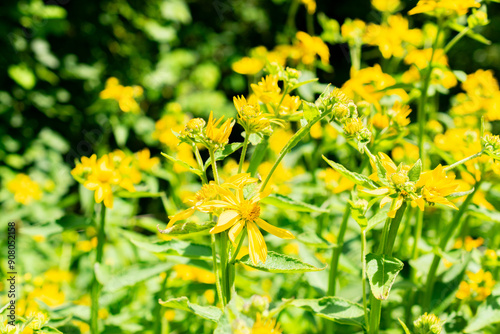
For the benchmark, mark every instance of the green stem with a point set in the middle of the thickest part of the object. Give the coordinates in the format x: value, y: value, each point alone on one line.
x: 363, y: 276
x: 161, y: 295
x: 455, y: 40
x: 214, y: 165
x: 431, y: 277
x: 95, y: 289
x: 203, y: 176
x: 217, y: 271
x: 292, y: 12
x: 461, y: 162
x: 244, y: 151
x: 389, y: 234
x: 337, y: 250
x: 226, y: 289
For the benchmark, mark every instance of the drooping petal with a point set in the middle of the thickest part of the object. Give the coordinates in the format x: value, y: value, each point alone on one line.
x: 226, y: 220
x: 180, y: 216
x: 235, y: 230
x: 399, y: 202
x: 256, y: 244
x: 279, y: 232
x: 385, y: 200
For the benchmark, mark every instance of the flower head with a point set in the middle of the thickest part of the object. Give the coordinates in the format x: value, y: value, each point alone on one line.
x: 267, y: 90
x: 124, y: 95
x: 444, y: 7
x: 436, y: 185
x: 217, y: 133
x: 25, y: 190
x: 247, y: 65
x: 239, y: 212
x: 427, y: 324
x: 252, y: 118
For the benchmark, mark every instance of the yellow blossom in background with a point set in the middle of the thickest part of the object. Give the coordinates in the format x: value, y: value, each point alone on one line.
x: 280, y: 178
x: 353, y: 126
x: 165, y: 126
x: 279, y: 139
x: 195, y: 274
x: 380, y: 121
x: 239, y: 213
x: 145, y: 161
x: 25, y: 190
x: 469, y: 243
x: 405, y: 152
x: 334, y: 181
x: 265, y: 326
x: 289, y: 105
x: 248, y: 66
x: 310, y: 46
x: 310, y: 6
x: 447, y: 7
x: 124, y: 95
x: 353, y: 30
x: 399, y: 113
x: 479, y: 285
x: 389, y: 6
x: 394, y: 37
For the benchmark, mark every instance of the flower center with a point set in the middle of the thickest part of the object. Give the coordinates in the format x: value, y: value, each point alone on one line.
x: 249, y: 211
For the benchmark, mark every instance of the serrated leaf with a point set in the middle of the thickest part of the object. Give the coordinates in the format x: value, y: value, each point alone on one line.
x: 287, y: 203
x: 220, y: 155
x: 133, y: 275
x: 303, y: 83
x: 176, y: 247
x: 460, y: 194
x: 414, y: 172
x: 280, y: 263
x: 312, y: 239
x: 336, y: 309
x: 183, y: 164
x: 382, y: 271
x: 182, y: 303
x: 311, y: 111
x: 488, y: 313
x: 137, y: 194
x: 179, y: 230
x: 359, y: 179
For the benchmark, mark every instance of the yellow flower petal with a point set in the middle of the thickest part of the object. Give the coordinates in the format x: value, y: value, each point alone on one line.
x: 226, y: 220
x: 279, y: 232
x: 256, y: 243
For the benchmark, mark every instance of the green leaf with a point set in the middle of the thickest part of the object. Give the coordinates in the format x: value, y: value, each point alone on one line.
x: 381, y: 171
x: 359, y: 179
x: 414, y: 172
x: 460, y: 194
x: 311, y: 111
x: 22, y: 75
x: 133, y: 275
x: 74, y: 222
x: 303, y: 83
x: 183, y: 164
x: 488, y: 313
x: 137, y: 194
x: 358, y: 215
x: 312, y: 239
x: 382, y: 271
x: 336, y: 309
x: 182, y: 303
x: 280, y: 263
x: 179, y: 230
x: 220, y: 155
x: 286, y: 203
x: 176, y: 247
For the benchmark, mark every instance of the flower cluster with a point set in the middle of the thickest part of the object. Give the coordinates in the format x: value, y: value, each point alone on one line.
x: 124, y: 95
x: 25, y: 190
x: 478, y: 286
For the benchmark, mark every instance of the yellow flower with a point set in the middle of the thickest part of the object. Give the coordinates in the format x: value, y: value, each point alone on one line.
x: 101, y: 179
x: 400, y: 188
x: 310, y: 6
x: 219, y: 133
x: 428, y: 323
x: 380, y: 121
x: 124, y: 95
x: 247, y: 65
x: 469, y: 243
x: 268, y: 326
x: 198, y: 203
x: 165, y: 127
x: 353, y: 126
x: 238, y: 213
x: 289, y: 105
x: 195, y: 274
x: 480, y: 285
x: 393, y: 38
x: 353, y: 30
x: 464, y: 290
x: 447, y: 7
x: 389, y: 6
x: 145, y: 161
x: 334, y: 181
x: 310, y: 46
x: 436, y: 185
x: 25, y: 190
x: 267, y: 90
x: 252, y: 118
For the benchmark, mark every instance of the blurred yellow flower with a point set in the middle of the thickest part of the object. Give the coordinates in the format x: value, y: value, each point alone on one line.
x: 25, y: 190
x: 265, y: 326
x: 248, y: 65
x: 479, y: 285
x: 389, y: 6
x: 334, y: 181
x: 310, y: 46
x: 195, y: 274
x: 447, y: 7
x: 124, y: 95
x: 469, y: 243
x: 267, y: 90
x: 145, y: 161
